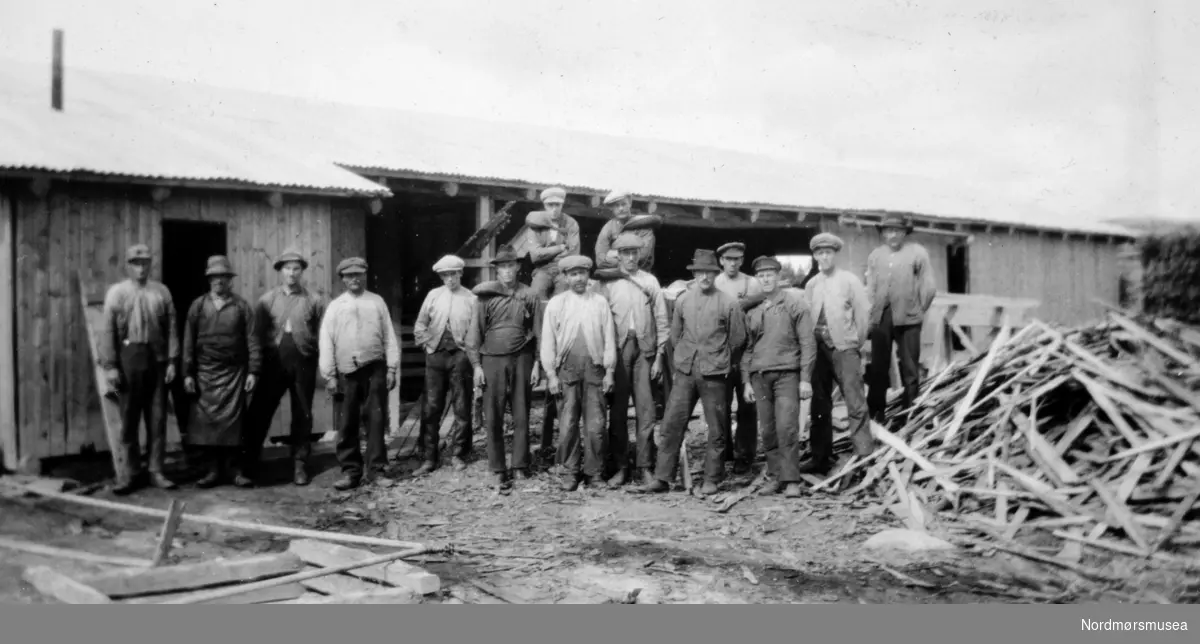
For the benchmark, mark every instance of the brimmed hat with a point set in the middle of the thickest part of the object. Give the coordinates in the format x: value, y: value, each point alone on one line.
x: 290, y: 255
x: 219, y: 265
x: 539, y: 219
x: 137, y: 252
x: 449, y: 263
x: 615, y: 196
x: 704, y: 260
x: 628, y: 241
x: 572, y: 262
x: 764, y: 263
x: 352, y: 265
x: 552, y: 195
x: 505, y: 254
x: 825, y: 240
x: 732, y: 246
x: 897, y: 221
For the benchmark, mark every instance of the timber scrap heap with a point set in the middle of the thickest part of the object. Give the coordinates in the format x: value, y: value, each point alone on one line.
x: 1080, y: 437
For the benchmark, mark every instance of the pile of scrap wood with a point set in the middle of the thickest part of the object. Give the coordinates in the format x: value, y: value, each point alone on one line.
x: 1087, y: 436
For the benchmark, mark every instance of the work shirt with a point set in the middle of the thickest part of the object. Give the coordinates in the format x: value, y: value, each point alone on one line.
x: 739, y: 287
x: 639, y: 309
x: 708, y: 331
x: 220, y: 331
x: 445, y: 314
x: 504, y: 324
x: 780, y: 336
x: 613, y: 229
x: 283, y: 311
x: 571, y: 318
x: 901, y: 280
x: 841, y: 298
x: 137, y: 314
x: 544, y: 254
x: 356, y: 331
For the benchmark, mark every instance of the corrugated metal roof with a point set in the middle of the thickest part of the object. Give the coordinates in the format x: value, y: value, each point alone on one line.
x: 451, y: 146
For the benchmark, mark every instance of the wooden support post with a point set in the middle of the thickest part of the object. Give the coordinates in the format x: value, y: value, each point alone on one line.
x: 375, y: 206
x: 8, y: 337
x: 160, y: 193
x: 275, y: 199
x: 706, y: 213
x: 450, y: 188
x: 170, y: 525
x: 56, y: 72
x: 754, y: 213
x: 483, y: 214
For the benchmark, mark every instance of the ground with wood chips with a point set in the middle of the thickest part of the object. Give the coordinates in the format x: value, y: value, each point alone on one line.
x: 542, y: 545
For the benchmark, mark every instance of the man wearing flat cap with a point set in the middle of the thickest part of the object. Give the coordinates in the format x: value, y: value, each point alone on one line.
x: 221, y: 362
x: 640, y: 313
x: 359, y: 356
x: 620, y: 203
x: 442, y: 326
x: 556, y: 235
x: 777, y: 370
x: 708, y: 331
x: 839, y: 305
x: 578, y: 353
x: 502, y: 348
x: 138, y: 346
x: 901, y: 285
x: 742, y: 445
x: 288, y: 320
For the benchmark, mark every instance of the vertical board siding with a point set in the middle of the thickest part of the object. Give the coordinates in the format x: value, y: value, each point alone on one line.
x: 8, y: 358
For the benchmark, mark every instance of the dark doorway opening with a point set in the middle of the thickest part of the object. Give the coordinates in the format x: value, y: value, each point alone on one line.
x: 186, y: 247
x: 957, y: 280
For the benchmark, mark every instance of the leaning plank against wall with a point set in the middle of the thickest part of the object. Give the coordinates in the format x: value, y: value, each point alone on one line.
x: 8, y: 367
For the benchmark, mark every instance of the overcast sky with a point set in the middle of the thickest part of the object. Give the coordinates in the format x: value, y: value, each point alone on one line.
x: 1082, y: 107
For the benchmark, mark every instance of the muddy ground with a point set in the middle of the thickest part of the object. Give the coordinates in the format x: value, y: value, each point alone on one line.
x: 541, y: 545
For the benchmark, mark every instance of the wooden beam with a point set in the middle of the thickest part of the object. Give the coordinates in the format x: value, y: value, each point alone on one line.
x: 149, y: 581
x: 754, y: 213
x: 160, y: 193
x: 483, y: 214
x: 8, y: 336
x: 450, y: 188
x: 381, y: 596
x: 56, y: 72
x: 58, y: 586
x: 341, y: 585
x: 170, y: 525
x: 77, y: 555
x: 275, y: 199
x: 375, y: 206
x: 706, y: 213
x: 231, y: 185
x: 396, y: 573
x: 39, y: 186
x: 281, y: 593
x: 110, y: 408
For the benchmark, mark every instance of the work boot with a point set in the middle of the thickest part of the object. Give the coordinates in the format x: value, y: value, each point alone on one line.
x: 571, y: 483
x: 243, y: 481
x: 211, y: 479
x: 459, y: 464
x: 654, y: 487
x: 708, y: 489
x: 127, y: 486
x: 647, y: 476
x: 526, y: 474
x: 300, y: 475
x: 502, y: 482
x: 814, y: 467
x: 741, y: 467
x: 160, y: 481
x: 426, y: 468
x: 347, y: 482
x: 618, y: 479
x: 793, y: 491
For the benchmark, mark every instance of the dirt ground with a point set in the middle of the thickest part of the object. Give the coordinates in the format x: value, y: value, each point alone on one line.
x: 541, y: 545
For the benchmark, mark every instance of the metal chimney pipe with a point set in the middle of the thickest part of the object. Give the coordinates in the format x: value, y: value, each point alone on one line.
x: 56, y: 81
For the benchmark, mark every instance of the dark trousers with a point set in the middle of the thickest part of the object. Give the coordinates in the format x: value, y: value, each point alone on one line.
x: 364, y: 390
x: 632, y: 378
x: 447, y: 375
x: 777, y: 396
x: 547, y: 285
x: 685, y: 391
x: 907, y: 338
x: 286, y: 371
x: 741, y: 445
x: 144, y: 398
x: 219, y: 459
x: 844, y: 368
x: 507, y: 382
x: 583, y: 445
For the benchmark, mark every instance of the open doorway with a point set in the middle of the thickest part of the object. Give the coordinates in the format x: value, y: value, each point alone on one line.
x: 957, y: 280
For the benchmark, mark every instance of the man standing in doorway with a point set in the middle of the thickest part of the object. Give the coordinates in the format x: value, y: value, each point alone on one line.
x: 502, y: 347
x: 901, y: 285
x: 839, y: 303
x: 288, y: 319
x: 620, y: 202
x: 442, y: 327
x: 741, y: 446
x: 578, y: 353
x: 777, y: 369
x: 640, y: 313
x: 138, y: 347
x: 359, y: 356
x: 708, y: 330
x: 221, y: 363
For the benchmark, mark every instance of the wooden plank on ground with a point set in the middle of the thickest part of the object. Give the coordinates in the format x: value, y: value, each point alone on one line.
x: 78, y: 555
x: 110, y: 408
x: 262, y: 596
x: 167, y: 536
x: 381, y: 596
x: 129, y: 583
x: 340, y: 585
x: 56, y: 585
x: 1121, y: 513
x: 397, y: 573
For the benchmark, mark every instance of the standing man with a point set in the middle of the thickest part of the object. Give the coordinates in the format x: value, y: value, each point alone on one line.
x: 221, y: 363
x: 901, y: 285
x: 578, y: 353
x: 839, y: 302
x: 502, y: 346
x: 138, y: 347
x: 359, y: 356
x: 747, y: 290
x: 442, y: 327
x: 640, y: 313
x: 620, y: 203
x: 777, y: 370
x: 708, y: 330
x: 288, y: 320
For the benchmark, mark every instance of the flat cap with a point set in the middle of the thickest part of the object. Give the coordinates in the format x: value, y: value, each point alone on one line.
x: 352, y: 265
x: 572, y: 262
x: 449, y: 263
x: 764, y: 263
x: 825, y: 240
x: 615, y: 196
x: 554, y: 195
x: 219, y: 265
x: 539, y: 219
x: 290, y: 255
x: 628, y: 241
x: 737, y: 248
x: 137, y: 251
x: 896, y: 221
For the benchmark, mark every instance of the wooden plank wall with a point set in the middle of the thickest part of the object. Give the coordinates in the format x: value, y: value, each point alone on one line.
x: 8, y: 367
x: 88, y: 227
x: 860, y: 242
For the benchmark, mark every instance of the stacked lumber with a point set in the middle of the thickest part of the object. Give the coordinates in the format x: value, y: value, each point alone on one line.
x: 1087, y: 436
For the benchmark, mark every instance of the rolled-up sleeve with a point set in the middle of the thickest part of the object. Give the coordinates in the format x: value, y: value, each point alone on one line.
x: 326, y: 343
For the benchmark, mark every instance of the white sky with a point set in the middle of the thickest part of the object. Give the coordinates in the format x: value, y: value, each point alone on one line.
x: 1082, y: 107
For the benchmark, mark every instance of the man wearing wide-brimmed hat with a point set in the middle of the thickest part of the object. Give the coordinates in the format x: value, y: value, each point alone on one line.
x: 288, y: 322
x: 221, y: 363
x: 359, y: 357
x: 708, y: 330
x: 578, y: 353
x: 840, y: 309
x: 443, y: 324
x: 502, y: 347
x: 620, y: 203
x: 138, y: 346
x: 556, y: 236
x: 901, y: 285
x: 741, y: 445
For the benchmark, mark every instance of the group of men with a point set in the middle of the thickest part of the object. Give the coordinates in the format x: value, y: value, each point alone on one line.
x: 601, y: 333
